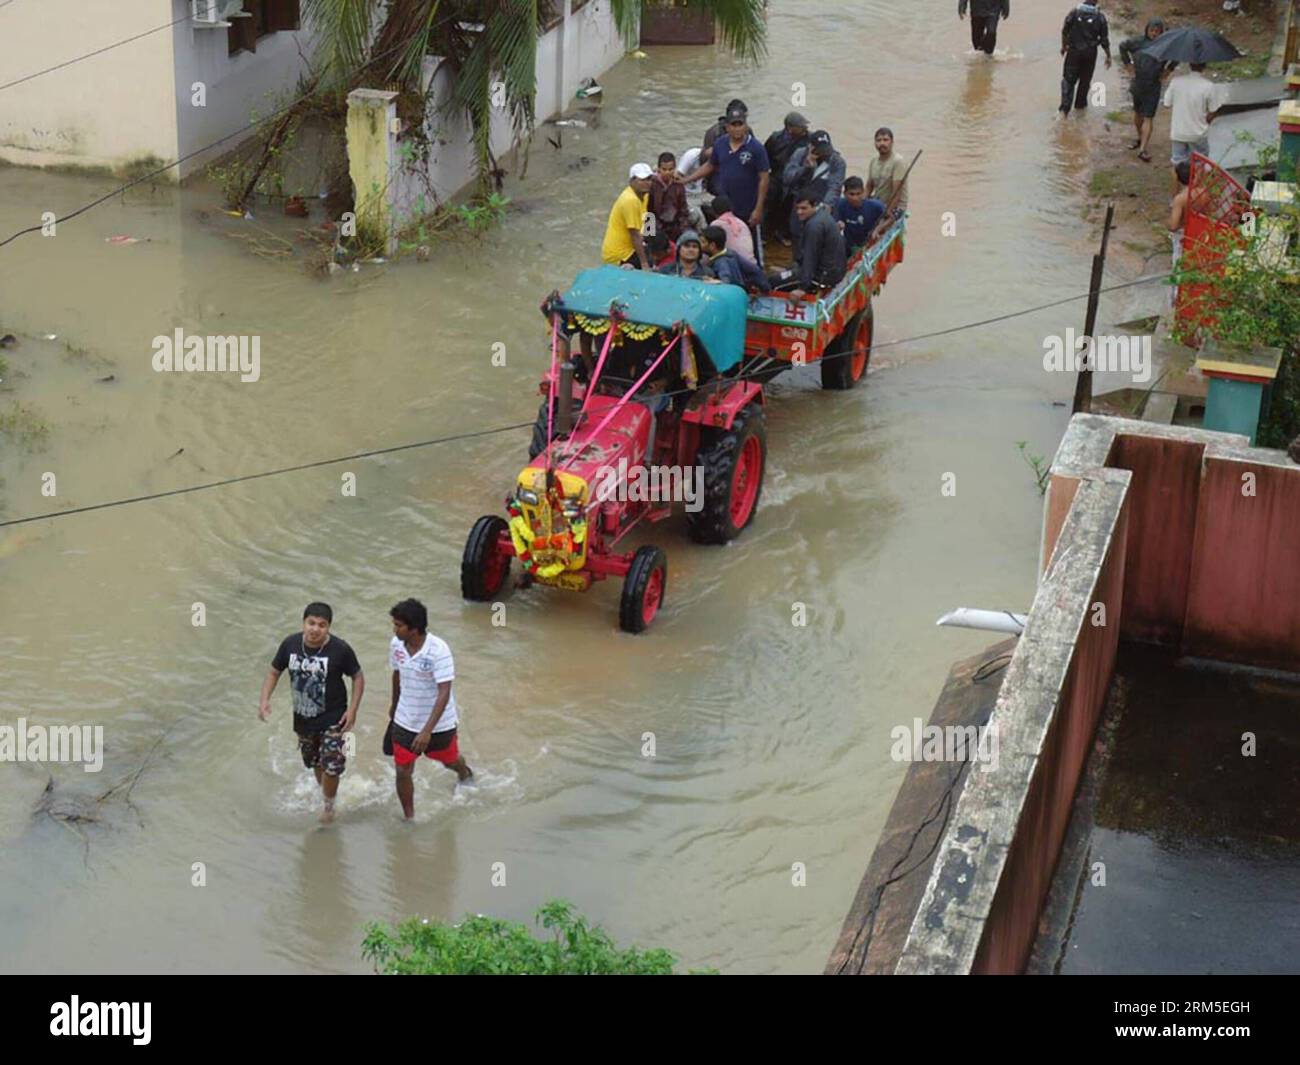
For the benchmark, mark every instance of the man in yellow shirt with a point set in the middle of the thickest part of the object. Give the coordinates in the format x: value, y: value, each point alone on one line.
x: 624, y: 245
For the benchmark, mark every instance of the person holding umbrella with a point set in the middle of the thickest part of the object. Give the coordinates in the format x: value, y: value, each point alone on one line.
x: 1148, y: 74
x: 1194, y: 99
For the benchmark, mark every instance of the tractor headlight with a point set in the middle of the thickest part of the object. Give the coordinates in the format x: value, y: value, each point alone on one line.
x: 527, y: 495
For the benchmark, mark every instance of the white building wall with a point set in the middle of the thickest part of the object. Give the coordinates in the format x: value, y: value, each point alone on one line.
x: 591, y: 47
x: 240, y: 87
x: 102, y: 111
x: 585, y: 44
x: 134, y: 100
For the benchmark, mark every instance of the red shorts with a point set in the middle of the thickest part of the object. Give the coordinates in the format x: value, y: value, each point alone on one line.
x: 442, y: 746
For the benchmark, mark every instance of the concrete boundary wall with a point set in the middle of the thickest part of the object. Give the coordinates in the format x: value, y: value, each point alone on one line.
x: 980, y: 908
x: 1244, y: 599
x: 1214, y: 565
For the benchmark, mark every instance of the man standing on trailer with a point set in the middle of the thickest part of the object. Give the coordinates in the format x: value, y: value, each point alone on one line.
x: 624, y: 243
x: 984, y: 15
x: 422, y: 715
x: 743, y: 170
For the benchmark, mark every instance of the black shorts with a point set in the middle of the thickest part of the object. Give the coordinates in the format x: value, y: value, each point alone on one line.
x: 1146, y: 99
x: 323, y: 750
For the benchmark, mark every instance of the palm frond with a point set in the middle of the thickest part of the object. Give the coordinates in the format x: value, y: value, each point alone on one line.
x: 742, y: 27
x: 342, y: 29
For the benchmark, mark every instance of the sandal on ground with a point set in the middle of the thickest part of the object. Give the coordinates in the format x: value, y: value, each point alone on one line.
x: 1144, y: 156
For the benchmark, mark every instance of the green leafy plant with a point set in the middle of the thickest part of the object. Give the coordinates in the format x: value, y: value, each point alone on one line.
x: 1041, y: 467
x: 488, y: 946
x: 1245, y: 290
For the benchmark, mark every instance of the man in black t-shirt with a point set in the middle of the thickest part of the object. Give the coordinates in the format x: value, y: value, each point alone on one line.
x: 317, y: 663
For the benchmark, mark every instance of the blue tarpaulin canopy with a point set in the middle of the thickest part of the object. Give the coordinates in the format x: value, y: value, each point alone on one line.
x: 715, y: 313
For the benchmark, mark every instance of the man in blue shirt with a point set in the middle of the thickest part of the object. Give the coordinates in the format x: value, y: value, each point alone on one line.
x: 743, y: 170
x: 856, y: 214
x: 727, y: 266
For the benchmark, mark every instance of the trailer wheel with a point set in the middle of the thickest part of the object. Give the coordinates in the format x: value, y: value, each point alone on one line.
x: 842, y: 370
x: 484, y: 566
x: 734, y: 461
x: 643, y: 589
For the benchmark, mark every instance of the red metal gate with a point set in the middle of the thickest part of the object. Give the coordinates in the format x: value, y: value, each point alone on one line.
x: 1216, y: 205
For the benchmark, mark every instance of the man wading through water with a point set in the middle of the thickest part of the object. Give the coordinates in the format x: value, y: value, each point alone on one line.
x: 1083, y: 32
x: 317, y: 663
x: 984, y: 15
x: 423, y: 712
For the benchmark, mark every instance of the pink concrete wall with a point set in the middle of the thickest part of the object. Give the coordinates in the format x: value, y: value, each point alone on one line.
x: 1244, y: 600
x: 1163, y: 498
x: 1012, y: 924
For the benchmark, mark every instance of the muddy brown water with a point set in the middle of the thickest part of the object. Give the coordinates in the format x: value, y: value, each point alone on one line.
x: 772, y: 740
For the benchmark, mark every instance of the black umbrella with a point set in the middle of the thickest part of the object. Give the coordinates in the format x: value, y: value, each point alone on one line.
x: 1191, y: 44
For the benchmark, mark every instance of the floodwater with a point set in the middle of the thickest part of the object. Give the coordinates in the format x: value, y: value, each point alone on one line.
x: 772, y: 741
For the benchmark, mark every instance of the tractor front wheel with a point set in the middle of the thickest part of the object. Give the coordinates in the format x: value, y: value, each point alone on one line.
x: 733, y: 461
x: 643, y: 589
x: 485, y: 565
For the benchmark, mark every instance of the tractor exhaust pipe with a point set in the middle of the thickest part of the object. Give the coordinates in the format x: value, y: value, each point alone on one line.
x: 564, y: 401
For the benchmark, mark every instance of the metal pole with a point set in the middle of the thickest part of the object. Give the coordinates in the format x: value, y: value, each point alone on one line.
x: 564, y: 400
x: 1083, y: 385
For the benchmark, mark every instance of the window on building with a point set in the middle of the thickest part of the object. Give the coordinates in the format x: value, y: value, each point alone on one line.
x: 550, y: 13
x: 264, y: 17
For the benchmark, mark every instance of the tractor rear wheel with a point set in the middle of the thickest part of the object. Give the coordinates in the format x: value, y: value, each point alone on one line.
x: 734, y: 461
x: 845, y: 362
x: 538, y: 443
x: 484, y: 566
x: 643, y: 589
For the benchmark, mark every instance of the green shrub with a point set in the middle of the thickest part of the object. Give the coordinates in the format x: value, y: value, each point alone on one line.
x: 488, y: 946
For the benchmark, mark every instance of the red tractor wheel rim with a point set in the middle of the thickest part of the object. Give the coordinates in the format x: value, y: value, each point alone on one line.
x: 654, y: 593
x: 744, y: 486
x: 861, y: 350
x: 494, y: 567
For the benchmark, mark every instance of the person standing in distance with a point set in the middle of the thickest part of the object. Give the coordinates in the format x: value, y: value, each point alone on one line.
x: 1083, y: 32
x: 317, y: 662
x: 423, y: 714
x: 984, y: 15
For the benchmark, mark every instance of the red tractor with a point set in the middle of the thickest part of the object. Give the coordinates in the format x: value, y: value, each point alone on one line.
x: 661, y: 403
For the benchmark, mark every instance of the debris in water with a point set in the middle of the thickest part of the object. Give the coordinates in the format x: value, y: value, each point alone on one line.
x: 8, y: 340
x: 105, y: 380
x: 178, y: 451
x: 51, y: 336
x: 295, y: 207
x: 572, y: 122
x: 589, y: 87
x: 121, y: 238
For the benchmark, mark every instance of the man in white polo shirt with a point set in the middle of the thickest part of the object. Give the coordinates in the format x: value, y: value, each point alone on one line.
x: 423, y: 711
x: 1195, y: 100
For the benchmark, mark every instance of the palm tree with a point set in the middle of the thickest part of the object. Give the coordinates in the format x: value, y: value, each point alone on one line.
x: 486, y: 43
